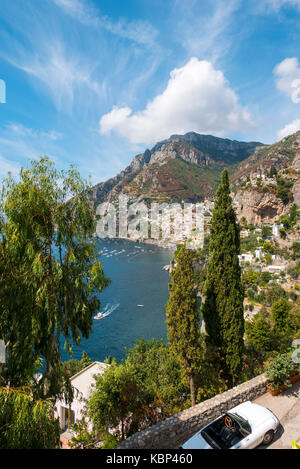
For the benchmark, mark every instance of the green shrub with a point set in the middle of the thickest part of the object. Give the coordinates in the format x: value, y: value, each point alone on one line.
x: 280, y: 369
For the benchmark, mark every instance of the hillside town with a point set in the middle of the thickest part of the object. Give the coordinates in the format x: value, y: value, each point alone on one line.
x: 149, y: 229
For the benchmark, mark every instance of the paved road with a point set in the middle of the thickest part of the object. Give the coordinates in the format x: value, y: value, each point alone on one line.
x: 286, y: 407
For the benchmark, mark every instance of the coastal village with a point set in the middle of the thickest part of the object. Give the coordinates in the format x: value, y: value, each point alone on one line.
x: 149, y: 228
x: 269, y: 247
x: 268, y: 254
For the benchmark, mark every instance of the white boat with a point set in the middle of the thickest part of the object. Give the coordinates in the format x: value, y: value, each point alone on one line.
x: 140, y: 306
x: 100, y: 315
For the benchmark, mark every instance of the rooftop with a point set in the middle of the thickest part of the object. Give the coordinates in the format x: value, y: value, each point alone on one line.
x: 84, y: 379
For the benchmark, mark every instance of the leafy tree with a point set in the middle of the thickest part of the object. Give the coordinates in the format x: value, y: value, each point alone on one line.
x: 268, y: 258
x: 274, y: 293
x: 157, y: 372
x: 293, y: 213
x: 282, y: 233
x: 286, y: 222
x: 49, y: 275
x: 266, y: 231
x: 183, y: 318
x: 265, y: 277
x: 280, y: 313
x: 296, y: 250
x: 284, y: 189
x: 294, y: 271
x: 267, y: 247
x: 71, y: 367
x: 259, y: 335
x: 273, y: 172
x: 223, y: 310
x: 26, y: 423
x: 116, y: 397
x: 84, y: 437
x: 250, y: 277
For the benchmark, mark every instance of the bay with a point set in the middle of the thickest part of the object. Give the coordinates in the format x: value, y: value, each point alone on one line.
x: 137, y: 278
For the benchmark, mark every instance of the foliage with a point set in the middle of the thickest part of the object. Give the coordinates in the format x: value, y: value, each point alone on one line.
x: 210, y: 381
x: 282, y: 233
x: 26, y: 423
x: 280, y: 313
x: 293, y: 213
x: 267, y: 247
x: 250, y: 242
x: 266, y: 232
x: 274, y: 293
x: 157, y: 372
x: 296, y: 250
x: 223, y: 310
x: 280, y: 369
x: 50, y: 278
x: 109, y: 441
x: 84, y: 437
x: 71, y: 367
x: 294, y: 271
x: 183, y: 318
x: 259, y: 335
x: 116, y: 397
x: 283, y: 190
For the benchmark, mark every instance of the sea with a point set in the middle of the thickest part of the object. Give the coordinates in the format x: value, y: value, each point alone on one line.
x: 134, y: 302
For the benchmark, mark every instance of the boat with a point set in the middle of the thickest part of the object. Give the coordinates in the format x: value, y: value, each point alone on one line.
x: 140, y: 306
x: 100, y: 316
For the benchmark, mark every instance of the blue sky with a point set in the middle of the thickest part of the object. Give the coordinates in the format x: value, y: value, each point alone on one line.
x: 94, y: 82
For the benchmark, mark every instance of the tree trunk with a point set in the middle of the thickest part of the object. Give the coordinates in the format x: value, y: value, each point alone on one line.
x: 192, y: 389
x: 122, y: 429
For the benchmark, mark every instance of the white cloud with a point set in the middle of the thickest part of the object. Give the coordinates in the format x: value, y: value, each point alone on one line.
x: 289, y: 129
x: 23, y: 131
x: 141, y: 32
x: 20, y: 143
x: 61, y: 71
x: 205, y: 28
x: 7, y: 166
x: 287, y: 75
x: 197, y: 98
x: 278, y: 4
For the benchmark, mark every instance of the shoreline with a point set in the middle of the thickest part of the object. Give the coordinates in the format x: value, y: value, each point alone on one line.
x: 153, y: 242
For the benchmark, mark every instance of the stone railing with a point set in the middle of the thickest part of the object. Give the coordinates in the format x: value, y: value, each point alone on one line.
x: 174, y: 431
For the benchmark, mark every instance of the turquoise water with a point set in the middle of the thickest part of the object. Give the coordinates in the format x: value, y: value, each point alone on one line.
x: 137, y: 278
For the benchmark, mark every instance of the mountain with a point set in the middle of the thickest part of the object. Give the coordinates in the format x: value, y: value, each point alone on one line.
x: 183, y: 167
x: 267, y: 183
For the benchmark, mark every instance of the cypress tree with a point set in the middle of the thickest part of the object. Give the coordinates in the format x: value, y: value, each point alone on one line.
x: 183, y: 318
x: 223, y: 290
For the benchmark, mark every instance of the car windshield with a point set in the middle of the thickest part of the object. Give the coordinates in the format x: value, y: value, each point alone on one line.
x: 244, y: 424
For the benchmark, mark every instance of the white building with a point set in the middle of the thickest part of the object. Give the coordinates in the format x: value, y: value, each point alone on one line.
x: 275, y: 229
x: 275, y: 269
x: 82, y: 384
x: 245, y: 257
x: 258, y: 253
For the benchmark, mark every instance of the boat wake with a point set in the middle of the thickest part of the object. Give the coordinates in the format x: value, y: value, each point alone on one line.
x: 109, y: 308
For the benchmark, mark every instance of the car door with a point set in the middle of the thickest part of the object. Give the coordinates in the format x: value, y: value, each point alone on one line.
x: 250, y: 441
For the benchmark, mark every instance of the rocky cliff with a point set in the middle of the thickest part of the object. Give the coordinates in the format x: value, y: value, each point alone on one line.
x: 267, y: 183
x: 183, y: 167
x: 265, y: 178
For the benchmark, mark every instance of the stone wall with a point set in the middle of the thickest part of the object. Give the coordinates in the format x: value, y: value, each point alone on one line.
x: 174, y: 431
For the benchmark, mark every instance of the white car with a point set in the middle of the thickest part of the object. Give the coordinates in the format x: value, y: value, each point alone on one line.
x: 245, y: 426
